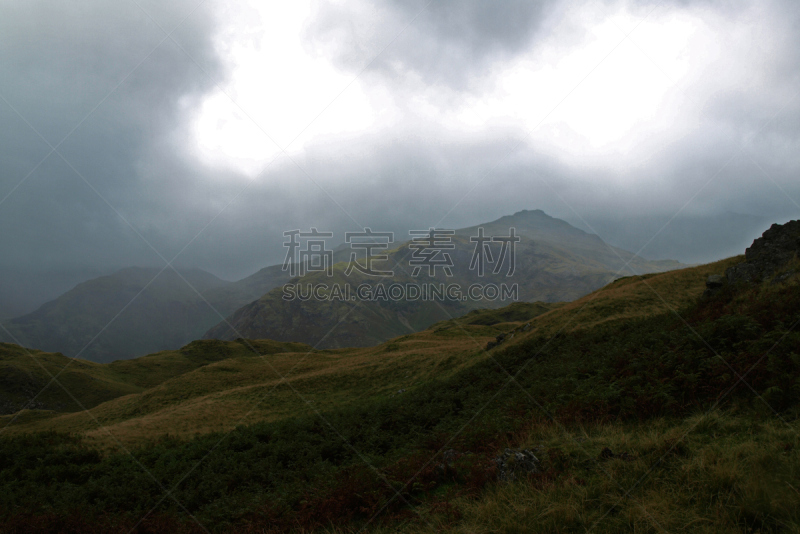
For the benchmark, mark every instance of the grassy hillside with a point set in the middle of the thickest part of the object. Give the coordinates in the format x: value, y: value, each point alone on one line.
x: 632, y: 297
x: 242, y: 386
x: 215, y: 385
x: 33, y: 379
x: 25, y: 380
x: 689, y: 448
x: 516, y: 312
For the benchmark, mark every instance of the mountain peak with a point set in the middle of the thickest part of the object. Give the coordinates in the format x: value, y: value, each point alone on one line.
x: 529, y: 213
x: 539, y: 225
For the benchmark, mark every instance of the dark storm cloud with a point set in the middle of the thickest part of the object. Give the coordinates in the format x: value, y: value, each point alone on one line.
x: 59, y: 61
x: 96, y: 68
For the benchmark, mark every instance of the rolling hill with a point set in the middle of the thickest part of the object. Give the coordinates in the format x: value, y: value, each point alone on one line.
x: 53, y: 383
x: 212, y: 385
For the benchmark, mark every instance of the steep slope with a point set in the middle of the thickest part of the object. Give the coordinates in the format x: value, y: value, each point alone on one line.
x: 229, y: 297
x: 554, y: 262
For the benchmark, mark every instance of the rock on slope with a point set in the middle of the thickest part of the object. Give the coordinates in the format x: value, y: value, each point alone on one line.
x: 776, y: 248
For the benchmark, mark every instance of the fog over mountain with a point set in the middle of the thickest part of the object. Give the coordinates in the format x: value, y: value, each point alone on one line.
x: 136, y: 133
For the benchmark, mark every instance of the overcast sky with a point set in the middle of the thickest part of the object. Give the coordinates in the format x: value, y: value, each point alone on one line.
x: 132, y: 133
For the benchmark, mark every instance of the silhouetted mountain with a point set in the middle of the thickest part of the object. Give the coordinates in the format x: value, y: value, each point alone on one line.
x: 120, y: 316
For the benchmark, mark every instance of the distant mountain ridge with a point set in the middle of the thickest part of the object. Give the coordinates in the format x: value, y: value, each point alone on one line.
x: 130, y: 318
x: 100, y: 320
x: 554, y: 262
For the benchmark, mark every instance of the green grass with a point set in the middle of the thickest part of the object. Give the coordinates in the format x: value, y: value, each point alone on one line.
x: 516, y: 312
x: 720, y: 472
x: 25, y: 372
x: 212, y: 385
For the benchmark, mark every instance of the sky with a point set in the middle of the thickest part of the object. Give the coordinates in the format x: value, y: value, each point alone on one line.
x: 142, y: 132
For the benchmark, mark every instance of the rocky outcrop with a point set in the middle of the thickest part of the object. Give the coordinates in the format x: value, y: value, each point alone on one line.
x: 515, y: 464
x: 506, y: 336
x: 773, y: 250
x: 713, y: 284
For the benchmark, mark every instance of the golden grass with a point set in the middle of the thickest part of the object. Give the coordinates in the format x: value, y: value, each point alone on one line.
x: 628, y: 298
x: 246, y: 389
